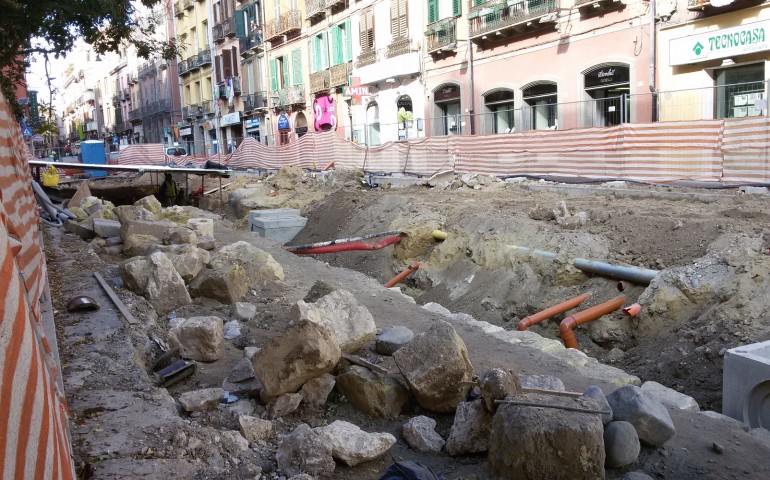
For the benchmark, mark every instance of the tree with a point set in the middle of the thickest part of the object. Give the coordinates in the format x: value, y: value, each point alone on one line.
x: 53, y: 27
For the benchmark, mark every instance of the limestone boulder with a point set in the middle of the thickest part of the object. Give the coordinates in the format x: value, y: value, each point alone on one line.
x: 470, y: 430
x: 375, y: 395
x: 283, y: 405
x: 545, y: 443
x: 420, y: 433
x: 198, y: 338
x: 316, y: 390
x: 350, y: 321
x: 106, y: 228
x: 165, y: 289
x: 391, y: 339
x: 124, y: 213
x: 243, y: 311
x: 188, y: 260
x: 200, y: 400
x: 158, y: 229
x: 255, y: 429
x: 670, y: 397
x: 650, y: 417
x: 351, y: 445
x: 496, y: 384
x: 180, y: 236
x: 258, y: 264
x: 304, y: 451
x: 135, y: 273
x: 139, y: 245
x: 227, y: 284
x: 149, y: 203
x: 303, y: 351
x: 435, y: 365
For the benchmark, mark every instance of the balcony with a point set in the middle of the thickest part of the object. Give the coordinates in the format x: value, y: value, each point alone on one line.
x: 131, y: 78
x: 218, y: 32
x: 188, y: 111
x: 126, y: 94
x: 184, y: 67
x: 229, y: 27
x: 315, y: 9
x: 367, y: 57
x: 115, y: 100
x: 587, y: 7
x: 188, y: 4
x: 206, y: 107
x: 510, y: 16
x: 252, y: 43
x: 289, y: 22
x: 255, y: 101
x: 339, y: 74
x: 440, y: 34
x: 399, y: 46
x: 289, y: 96
x: 204, y: 58
x: 88, y: 97
x: 335, y: 3
x: 194, y: 63
x: 319, y: 82
x: 134, y: 115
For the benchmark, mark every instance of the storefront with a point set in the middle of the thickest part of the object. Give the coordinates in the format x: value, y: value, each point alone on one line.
x: 252, y: 126
x: 446, y: 118
x: 719, y: 64
x: 284, y: 129
x: 608, y: 88
x: 233, y: 131
x: 187, y: 138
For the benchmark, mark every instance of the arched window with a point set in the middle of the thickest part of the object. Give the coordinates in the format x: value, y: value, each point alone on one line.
x: 608, y: 86
x: 405, y: 116
x: 499, y: 112
x: 373, y: 124
x: 300, y: 124
x: 539, y: 104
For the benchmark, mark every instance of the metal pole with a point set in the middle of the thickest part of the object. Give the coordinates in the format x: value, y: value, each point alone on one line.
x: 472, y: 108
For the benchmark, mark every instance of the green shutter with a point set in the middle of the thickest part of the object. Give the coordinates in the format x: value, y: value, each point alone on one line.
x: 240, y: 24
x: 337, y: 45
x: 348, y: 42
x: 296, y: 65
x: 314, y: 54
x: 478, y: 2
x: 432, y: 11
x: 324, y: 51
x: 273, y: 74
x: 286, y: 78
x: 457, y: 8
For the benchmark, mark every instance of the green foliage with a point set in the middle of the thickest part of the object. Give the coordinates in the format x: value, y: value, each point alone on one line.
x: 404, y: 116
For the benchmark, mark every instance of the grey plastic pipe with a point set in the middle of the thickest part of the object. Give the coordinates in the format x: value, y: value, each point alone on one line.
x: 638, y: 275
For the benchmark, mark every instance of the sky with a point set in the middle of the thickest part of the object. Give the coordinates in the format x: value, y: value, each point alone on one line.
x: 36, y: 79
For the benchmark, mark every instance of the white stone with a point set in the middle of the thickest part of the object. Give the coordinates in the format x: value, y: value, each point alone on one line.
x: 350, y: 321
x: 670, y: 397
x: 351, y: 445
x: 255, y: 429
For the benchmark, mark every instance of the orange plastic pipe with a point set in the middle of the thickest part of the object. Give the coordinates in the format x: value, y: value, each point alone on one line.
x: 633, y: 310
x: 569, y: 324
x: 538, y: 317
x: 407, y: 271
x: 345, y: 247
x: 328, y: 166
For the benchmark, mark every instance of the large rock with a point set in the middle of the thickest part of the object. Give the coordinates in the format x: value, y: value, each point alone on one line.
x: 375, y: 395
x: 157, y: 280
x: 470, y: 430
x: 304, y: 451
x: 106, y: 228
x: 303, y: 351
x: 188, y: 260
x: 597, y: 395
x: 149, y: 203
x: 242, y: 371
x: 226, y: 284
x: 259, y: 265
x: 255, y: 429
x: 198, y: 338
x: 135, y: 273
x: 243, y: 311
x: 200, y: 400
x: 670, y: 397
x: 124, y: 213
x: 350, y: 321
x: 316, y: 390
x: 420, y: 433
x: 283, y: 405
x: 650, y: 417
x: 545, y: 443
x: 621, y: 444
x: 180, y: 235
x: 391, y: 339
x: 496, y: 384
x: 83, y: 231
x: 544, y: 382
x: 139, y: 245
x: 158, y: 229
x: 435, y: 364
x: 351, y: 445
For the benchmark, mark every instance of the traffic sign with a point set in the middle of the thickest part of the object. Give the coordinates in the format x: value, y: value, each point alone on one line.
x: 27, y: 132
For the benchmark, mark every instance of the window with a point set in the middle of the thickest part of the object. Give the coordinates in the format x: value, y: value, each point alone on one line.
x: 320, y: 52
x: 194, y: 35
x: 205, y: 30
x: 279, y: 73
x: 366, y: 29
x: 540, y: 100
x: 500, y: 116
x: 738, y: 89
x: 342, y: 48
x: 436, y: 7
x: 296, y: 65
x: 398, y: 20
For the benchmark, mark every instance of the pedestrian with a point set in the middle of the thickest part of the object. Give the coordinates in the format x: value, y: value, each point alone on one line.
x: 168, y: 191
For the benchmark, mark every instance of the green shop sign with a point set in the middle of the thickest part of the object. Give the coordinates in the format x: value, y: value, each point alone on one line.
x: 717, y: 44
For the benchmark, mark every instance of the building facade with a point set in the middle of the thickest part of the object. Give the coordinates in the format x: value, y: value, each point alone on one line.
x: 249, y: 27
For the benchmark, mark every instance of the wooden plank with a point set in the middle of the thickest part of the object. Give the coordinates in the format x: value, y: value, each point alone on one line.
x: 364, y: 363
x: 123, y: 310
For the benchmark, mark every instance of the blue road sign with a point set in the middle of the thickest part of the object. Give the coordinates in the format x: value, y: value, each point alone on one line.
x: 27, y: 131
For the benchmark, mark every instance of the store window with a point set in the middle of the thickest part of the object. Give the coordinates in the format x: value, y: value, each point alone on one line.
x: 499, y: 112
x: 608, y: 88
x: 373, y: 124
x: 447, y: 119
x: 539, y: 106
x: 739, y: 91
x: 405, y: 116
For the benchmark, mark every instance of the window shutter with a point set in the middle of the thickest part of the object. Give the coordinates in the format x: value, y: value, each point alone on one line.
x: 324, y: 51
x: 398, y: 18
x: 337, y: 45
x: 234, y: 56
x: 433, y: 10
x: 218, y: 65
x: 457, y: 8
x: 315, y: 54
x: 362, y: 35
x: 273, y: 74
x: 240, y: 24
x: 286, y: 80
x: 227, y: 70
x: 296, y: 63
x: 348, y: 42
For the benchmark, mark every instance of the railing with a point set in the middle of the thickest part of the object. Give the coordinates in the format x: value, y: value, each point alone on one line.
x: 289, y: 22
x: 319, y: 81
x: 206, y: 107
x: 253, y: 41
x: 218, y: 33
x: 255, y: 101
x: 184, y: 67
x: 441, y: 33
x: 315, y: 8
x: 204, y: 57
x: 334, y: 3
x: 188, y: 111
x: 187, y: 4
x: 288, y: 96
x: 134, y: 115
x: 236, y: 82
x: 497, y: 14
x: 194, y: 62
x: 367, y: 57
x: 228, y: 27
x: 399, y: 46
x: 131, y: 78
x: 338, y: 74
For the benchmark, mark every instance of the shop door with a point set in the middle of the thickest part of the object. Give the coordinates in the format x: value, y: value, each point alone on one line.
x: 452, y: 124
x: 739, y: 91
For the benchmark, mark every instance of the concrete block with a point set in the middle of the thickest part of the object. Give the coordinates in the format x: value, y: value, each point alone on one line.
x: 106, y: 228
x: 746, y: 384
x: 279, y: 227
x: 754, y: 190
x: 158, y: 229
x: 274, y: 212
x: 79, y: 229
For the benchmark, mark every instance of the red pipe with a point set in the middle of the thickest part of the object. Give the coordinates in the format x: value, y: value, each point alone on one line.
x: 344, y: 247
x: 538, y: 317
x: 407, y: 271
x: 570, y: 323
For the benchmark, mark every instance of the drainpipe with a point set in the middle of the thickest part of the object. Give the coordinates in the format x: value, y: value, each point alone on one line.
x: 405, y: 273
x: 472, y: 109
x: 538, y: 317
x: 653, y: 48
x: 571, y: 323
x: 638, y: 275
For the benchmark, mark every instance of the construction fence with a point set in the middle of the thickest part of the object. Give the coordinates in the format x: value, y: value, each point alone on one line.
x: 34, y: 440
x: 728, y: 150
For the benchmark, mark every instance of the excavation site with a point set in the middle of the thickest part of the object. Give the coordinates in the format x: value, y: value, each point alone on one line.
x: 298, y: 324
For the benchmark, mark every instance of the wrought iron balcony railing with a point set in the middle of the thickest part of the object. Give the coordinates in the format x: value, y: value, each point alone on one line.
x: 339, y: 74
x: 218, y: 32
x: 441, y: 33
x: 228, y: 27
x: 315, y: 8
x: 399, y: 46
x: 367, y: 57
x: 499, y: 14
x: 319, y: 81
x: 288, y: 22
